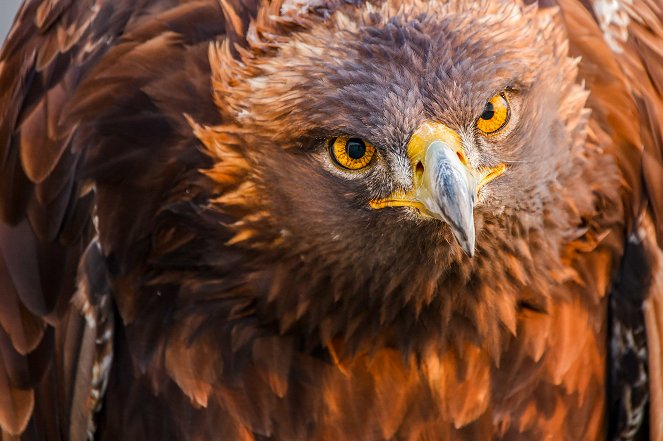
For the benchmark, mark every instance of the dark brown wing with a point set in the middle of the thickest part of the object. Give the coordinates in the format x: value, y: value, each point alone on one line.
x: 636, y: 332
x: 624, y: 72
x: 643, y: 64
x: 46, y: 221
x: 92, y: 92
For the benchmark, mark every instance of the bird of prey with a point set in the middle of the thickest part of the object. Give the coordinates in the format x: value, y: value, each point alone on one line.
x: 332, y: 220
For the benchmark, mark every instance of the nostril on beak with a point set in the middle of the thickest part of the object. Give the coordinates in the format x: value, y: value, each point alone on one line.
x: 419, y: 172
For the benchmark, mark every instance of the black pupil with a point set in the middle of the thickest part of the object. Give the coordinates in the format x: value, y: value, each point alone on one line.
x: 356, y: 148
x: 488, y: 111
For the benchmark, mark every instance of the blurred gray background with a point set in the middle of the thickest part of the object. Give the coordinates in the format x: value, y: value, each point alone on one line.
x: 8, y: 10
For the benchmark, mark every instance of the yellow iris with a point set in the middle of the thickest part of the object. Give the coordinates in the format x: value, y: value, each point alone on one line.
x: 351, y: 153
x: 495, y: 115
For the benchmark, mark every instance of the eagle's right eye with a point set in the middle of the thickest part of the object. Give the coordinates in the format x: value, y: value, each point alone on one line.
x: 351, y: 153
x: 495, y: 115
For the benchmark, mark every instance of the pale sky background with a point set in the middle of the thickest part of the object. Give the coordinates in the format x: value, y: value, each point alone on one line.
x: 8, y: 10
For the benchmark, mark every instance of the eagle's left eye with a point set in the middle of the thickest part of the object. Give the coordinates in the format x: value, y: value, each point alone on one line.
x: 495, y: 116
x: 351, y: 153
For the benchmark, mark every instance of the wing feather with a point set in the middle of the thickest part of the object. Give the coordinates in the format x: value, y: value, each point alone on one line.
x: 46, y: 209
x: 622, y: 63
x: 634, y: 31
x: 653, y: 310
x: 88, y: 88
x: 643, y: 64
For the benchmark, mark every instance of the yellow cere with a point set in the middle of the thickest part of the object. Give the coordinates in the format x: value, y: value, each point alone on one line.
x: 495, y: 116
x: 351, y: 153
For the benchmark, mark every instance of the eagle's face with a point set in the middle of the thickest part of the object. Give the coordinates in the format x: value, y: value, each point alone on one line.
x: 388, y: 146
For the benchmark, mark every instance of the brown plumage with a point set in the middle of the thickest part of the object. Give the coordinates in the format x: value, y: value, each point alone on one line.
x: 182, y: 258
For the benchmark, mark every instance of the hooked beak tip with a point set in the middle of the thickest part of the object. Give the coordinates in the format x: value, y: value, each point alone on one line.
x: 466, y: 240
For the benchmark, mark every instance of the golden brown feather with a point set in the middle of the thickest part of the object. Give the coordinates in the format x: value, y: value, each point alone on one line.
x: 181, y: 257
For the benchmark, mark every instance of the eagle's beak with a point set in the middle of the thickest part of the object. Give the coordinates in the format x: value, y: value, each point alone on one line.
x: 445, y: 184
x: 447, y: 191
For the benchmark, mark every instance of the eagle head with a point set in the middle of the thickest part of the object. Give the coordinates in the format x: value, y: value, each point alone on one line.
x: 383, y: 169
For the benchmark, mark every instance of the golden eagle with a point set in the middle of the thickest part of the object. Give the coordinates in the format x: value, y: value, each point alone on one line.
x: 332, y: 220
